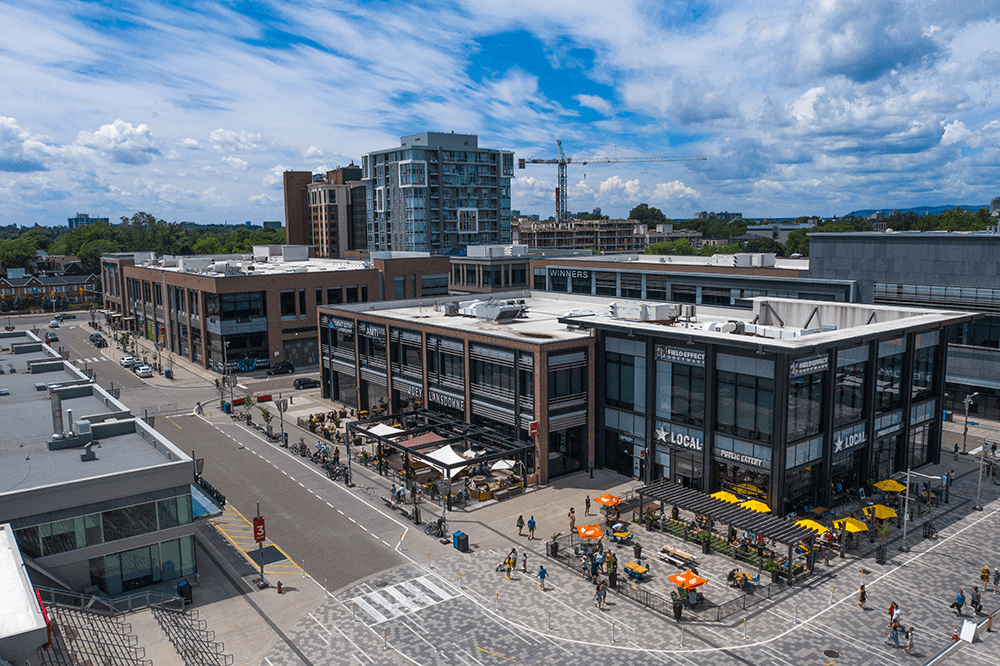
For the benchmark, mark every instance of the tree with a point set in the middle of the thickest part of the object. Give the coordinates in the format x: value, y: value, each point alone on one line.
x: 765, y: 245
x: 647, y: 215
x: 680, y: 247
x: 798, y: 242
x: 208, y: 245
x: 595, y: 216
x: 18, y: 253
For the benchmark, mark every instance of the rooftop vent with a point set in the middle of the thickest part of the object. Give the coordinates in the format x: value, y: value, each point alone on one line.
x: 498, y: 311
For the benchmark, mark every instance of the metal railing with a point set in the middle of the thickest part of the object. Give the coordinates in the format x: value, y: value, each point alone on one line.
x: 109, y: 606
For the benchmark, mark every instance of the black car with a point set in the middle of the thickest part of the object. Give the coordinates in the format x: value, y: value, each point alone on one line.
x: 99, y: 342
x: 307, y: 382
x: 51, y: 337
x: 283, y: 368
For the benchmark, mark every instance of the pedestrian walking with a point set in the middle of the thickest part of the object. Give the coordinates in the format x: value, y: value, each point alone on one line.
x: 524, y: 562
x: 984, y: 576
x: 520, y: 526
x: 572, y: 520
x: 958, y: 602
x: 909, y: 640
x: 977, y: 606
x: 996, y: 579
x: 587, y: 505
x: 531, y: 528
x: 507, y: 566
x: 584, y: 567
x: 956, y: 451
x: 599, y: 596
x: 541, y: 575
x: 892, y: 610
x: 893, y: 634
x: 993, y: 450
x: 862, y: 597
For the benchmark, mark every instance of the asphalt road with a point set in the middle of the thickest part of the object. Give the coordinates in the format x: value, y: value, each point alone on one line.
x: 340, y: 537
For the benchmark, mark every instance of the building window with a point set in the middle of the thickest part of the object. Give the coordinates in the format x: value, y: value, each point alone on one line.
x: 620, y: 381
x: 539, y: 279
x: 352, y: 294
x: 287, y: 304
x: 682, y: 293
x: 518, y: 275
x: 805, y: 405
x: 302, y: 302
x: 849, y: 386
x: 434, y: 285
x: 889, y: 383
x: 560, y: 283
x: 745, y: 405
x: 399, y: 284
x: 923, y: 364
x: 568, y: 382
x: 334, y: 296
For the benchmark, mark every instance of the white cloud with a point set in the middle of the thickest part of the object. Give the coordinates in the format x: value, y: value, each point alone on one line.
x: 675, y: 189
x: 594, y: 102
x: 274, y: 178
x: 312, y: 153
x: 615, y: 185
x: 121, y: 142
x: 954, y: 133
x: 230, y: 141
x: 236, y: 163
x: 19, y: 152
x: 193, y: 144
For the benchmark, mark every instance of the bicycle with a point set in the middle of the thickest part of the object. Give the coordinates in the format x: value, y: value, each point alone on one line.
x: 369, y: 491
x: 336, y: 473
x: 437, y: 528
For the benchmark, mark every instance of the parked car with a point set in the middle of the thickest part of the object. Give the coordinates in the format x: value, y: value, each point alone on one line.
x: 68, y: 315
x: 127, y: 361
x: 51, y: 337
x: 282, y: 368
x: 307, y: 382
x: 144, y: 371
x: 100, y: 342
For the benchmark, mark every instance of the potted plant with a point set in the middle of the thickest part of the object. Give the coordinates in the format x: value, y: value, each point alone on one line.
x: 772, y: 567
x: 637, y: 550
x: 552, y: 547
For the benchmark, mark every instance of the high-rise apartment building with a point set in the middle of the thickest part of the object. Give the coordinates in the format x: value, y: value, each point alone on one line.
x: 326, y: 211
x: 83, y: 219
x: 437, y: 193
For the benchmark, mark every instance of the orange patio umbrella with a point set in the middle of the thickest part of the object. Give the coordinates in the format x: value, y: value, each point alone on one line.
x: 608, y: 500
x: 688, y: 580
x: 590, y: 531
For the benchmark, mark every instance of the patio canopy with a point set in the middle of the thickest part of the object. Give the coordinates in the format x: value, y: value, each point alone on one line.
x: 447, y: 458
x: 383, y: 430
x: 733, y: 515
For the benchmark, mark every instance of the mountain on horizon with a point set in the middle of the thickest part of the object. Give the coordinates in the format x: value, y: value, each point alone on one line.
x: 919, y: 210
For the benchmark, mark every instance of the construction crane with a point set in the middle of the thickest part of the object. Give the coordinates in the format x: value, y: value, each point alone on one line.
x: 562, y: 161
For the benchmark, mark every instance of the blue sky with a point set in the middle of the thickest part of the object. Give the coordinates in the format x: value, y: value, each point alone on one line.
x: 191, y: 111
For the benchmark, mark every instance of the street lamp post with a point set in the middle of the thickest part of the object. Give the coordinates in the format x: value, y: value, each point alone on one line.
x: 979, y: 488
x: 906, y: 510
x: 965, y: 432
x: 225, y: 369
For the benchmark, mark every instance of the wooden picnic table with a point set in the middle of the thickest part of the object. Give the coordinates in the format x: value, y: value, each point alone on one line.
x: 635, y: 570
x: 684, y: 555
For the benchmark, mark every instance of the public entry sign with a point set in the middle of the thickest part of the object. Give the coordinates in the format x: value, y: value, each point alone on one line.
x: 258, y: 529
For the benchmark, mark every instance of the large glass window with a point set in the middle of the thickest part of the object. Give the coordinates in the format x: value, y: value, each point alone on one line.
x: 746, y: 405
x: 243, y: 305
x: 620, y: 380
x: 129, y: 522
x: 687, y: 403
x: 566, y: 382
x: 805, y: 405
x: 288, y: 304
x: 849, y: 389
x: 923, y: 364
x: 917, y: 448
x: 889, y: 386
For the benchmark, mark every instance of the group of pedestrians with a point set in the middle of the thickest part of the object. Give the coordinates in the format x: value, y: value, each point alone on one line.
x: 892, y: 634
x: 530, y: 525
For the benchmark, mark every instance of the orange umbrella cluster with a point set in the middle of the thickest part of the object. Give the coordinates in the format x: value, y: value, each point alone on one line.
x: 590, y: 531
x: 608, y: 500
x: 688, y: 580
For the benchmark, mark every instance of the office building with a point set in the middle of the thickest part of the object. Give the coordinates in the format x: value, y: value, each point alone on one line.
x: 261, y: 306
x: 794, y: 402
x: 948, y: 270
x: 437, y: 193
x: 83, y: 219
x: 96, y: 498
x: 326, y: 211
x: 597, y: 236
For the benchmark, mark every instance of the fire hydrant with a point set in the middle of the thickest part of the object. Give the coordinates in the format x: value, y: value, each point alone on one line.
x: 282, y: 592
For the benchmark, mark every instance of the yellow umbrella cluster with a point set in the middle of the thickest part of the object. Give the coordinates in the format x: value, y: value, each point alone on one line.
x: 756, y: 505
x: 726, y: 497
x: 880, y: 511
x: 890, y: 486
x: 812, y: 525
x: 850, y: 524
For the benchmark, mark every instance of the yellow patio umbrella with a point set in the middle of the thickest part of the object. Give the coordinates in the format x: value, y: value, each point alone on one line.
x: 890, y: 486
x: 880, y: 511
x: 755, y: 505
x: 812, y: 525
x: 726, y: 497
x: 850, y: 524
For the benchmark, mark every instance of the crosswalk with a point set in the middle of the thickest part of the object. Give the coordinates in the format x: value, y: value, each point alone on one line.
x: 400, y: 599
x: 96, y: 359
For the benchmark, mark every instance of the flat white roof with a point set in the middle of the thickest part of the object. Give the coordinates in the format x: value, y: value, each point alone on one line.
x: 270, y: 268
x: 643, y: 260
x: 19, y: 612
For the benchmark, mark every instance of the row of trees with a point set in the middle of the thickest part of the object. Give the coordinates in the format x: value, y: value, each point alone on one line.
x: 141, y: 232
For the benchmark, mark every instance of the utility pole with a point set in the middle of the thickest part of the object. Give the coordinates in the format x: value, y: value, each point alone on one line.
x: 979, y: 488
x: 965, y: 432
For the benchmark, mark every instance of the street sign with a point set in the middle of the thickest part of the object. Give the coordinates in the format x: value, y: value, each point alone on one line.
x: 258, y: 529
x: 973, y: 423
x: 533, y: 428
x: 200, y: 466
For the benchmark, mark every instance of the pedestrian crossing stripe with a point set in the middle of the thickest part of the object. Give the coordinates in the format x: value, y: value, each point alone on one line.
x: 91, y: 360
x: 400, y: 599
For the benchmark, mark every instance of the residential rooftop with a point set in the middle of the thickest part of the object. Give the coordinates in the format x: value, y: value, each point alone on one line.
x: 42, y: 382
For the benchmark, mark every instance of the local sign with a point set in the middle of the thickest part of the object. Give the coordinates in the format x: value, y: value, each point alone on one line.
x: 258, y: 529
x: 679, y: 439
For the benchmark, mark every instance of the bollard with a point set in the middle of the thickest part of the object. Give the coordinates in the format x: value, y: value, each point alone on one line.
x: 428, y: 559
x: 612, y: 632
x: 303, y: 568
x: 550, y: 621
x: 354, y: 613
x: 460, y: 580
x: 795, y: 615
x: 744, y: 628
x: 682, y: 636
x: 831, y: 593
x: 498, y: 602
x: 385, y: 640
x: 326, y: 590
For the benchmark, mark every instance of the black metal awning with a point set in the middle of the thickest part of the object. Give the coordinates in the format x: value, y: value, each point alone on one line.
x: 733, y: 515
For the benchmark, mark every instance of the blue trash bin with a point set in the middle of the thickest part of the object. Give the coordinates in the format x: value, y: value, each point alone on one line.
x: 461, y: 541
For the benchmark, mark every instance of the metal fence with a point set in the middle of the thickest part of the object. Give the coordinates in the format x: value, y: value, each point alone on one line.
x: 107, y: 605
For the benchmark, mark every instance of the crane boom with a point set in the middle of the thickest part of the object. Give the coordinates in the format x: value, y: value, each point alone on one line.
x: 562, y: 161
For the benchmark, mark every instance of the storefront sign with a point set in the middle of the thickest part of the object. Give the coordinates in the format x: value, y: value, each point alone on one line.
x: 896, y: 427
x: 342, y: 325
x: 371, y: 331
x: 742, y: 458
x: 679, y: 439
x: 843, y: 441
x: 678, y: 355
x: 407, y: 388
x: 807, y: 366
x: 446, y: 399
x: 574, y: 273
